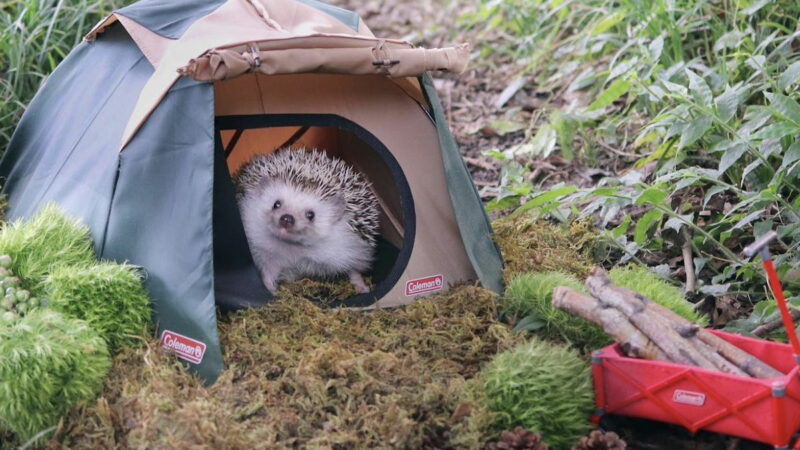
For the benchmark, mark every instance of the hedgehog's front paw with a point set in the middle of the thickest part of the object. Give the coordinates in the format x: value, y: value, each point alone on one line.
x: 358, y: 282
x: 270, y: 282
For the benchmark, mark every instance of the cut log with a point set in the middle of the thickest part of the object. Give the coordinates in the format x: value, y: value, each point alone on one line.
x: 600, y: 286
x: 634, y: 343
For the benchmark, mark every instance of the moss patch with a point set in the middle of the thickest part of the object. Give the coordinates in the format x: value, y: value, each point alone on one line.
x: 322, y: 291
x: 643, y: 281
x: 530, y: 295
x: 48, y: 239
x: 49, y: 363
x: 529, y: 245
x: 109, y: 296
x: 302, y: 376
x: 543, y: 387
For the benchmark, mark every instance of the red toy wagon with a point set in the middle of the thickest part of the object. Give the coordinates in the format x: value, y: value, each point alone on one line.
x: 765, y: 410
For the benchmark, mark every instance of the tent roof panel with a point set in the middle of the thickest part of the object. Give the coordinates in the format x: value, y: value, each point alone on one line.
x: 171, y: 18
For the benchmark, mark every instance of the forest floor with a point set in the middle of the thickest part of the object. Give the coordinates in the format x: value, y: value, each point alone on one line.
x: 478, y: 98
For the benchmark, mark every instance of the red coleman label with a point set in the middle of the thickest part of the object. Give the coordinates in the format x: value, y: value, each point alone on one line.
x: 688, y: 397
x: 427, y: 284
x: 184, y: 347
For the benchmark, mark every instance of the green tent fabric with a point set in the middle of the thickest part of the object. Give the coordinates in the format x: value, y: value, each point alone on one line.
x: 153, y: 204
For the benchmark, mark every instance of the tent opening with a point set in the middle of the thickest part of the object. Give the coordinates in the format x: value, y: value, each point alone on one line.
x: 239, y: 138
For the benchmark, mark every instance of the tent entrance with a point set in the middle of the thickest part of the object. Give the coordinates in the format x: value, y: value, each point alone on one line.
x: 239, y: 138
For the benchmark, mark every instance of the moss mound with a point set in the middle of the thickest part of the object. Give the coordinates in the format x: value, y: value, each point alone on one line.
x: 529, y: 245
x: 643, y: 281
x: 302, y: 376
x: 530, y: 295
x: 541, y: 386
x: 49, y: 362
x: 108, y: 296
x: 48, y: 239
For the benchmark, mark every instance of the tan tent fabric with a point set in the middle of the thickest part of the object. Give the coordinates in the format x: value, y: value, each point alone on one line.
x: 286, y: 30
x: 152, y: 45
x: 378, y: 59
x: 364, y: 100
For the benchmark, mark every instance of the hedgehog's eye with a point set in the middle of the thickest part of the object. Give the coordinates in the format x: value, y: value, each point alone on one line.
x: 276, y: 205
x: 310, y: 215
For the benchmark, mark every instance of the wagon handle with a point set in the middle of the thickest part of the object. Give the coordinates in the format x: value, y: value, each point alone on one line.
x: 761, y: 247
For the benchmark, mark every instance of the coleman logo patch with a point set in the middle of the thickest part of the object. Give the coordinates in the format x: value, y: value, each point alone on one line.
x: 184, y: 347
x: 422, y: 285
x: 688, y: 397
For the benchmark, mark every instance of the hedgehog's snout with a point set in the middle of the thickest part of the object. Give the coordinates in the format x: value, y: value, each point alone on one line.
x: 287, y: 221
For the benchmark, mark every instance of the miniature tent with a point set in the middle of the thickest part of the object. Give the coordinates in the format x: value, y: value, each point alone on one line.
x: 138, y: 131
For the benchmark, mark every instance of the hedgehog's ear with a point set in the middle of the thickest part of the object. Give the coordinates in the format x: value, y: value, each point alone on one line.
x: 339, y: 205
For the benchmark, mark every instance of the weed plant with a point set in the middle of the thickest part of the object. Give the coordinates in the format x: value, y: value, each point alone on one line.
x: 700, y: 99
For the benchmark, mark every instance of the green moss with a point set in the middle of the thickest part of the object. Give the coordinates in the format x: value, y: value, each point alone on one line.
x: 48, y: 362
x: 108, y: 296
x: 301, y: 376
x: 542, y: 387
x: 530, y: 245
x: 530, y: 295
x: 643, y: 281
x: 49, y: 238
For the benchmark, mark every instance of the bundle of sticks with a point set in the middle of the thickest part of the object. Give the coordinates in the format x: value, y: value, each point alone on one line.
x: 645, y: 329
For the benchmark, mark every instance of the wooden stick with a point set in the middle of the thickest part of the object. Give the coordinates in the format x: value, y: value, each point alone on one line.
x: 600, y: 286
x: 663, y: 333
x: 613, y: 322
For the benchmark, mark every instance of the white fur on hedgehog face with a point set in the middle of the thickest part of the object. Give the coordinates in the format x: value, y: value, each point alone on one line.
x: 297, y: 216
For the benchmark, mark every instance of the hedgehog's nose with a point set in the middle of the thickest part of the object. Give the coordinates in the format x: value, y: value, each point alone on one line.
x: 287, y: 221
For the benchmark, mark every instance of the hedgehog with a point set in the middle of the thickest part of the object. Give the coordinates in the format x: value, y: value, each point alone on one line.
x: 307, y: 214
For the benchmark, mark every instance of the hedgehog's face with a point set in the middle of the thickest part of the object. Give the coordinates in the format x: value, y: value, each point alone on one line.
x: 296, y: 216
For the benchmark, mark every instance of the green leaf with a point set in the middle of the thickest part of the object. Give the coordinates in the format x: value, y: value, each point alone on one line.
x: 644, y: 223
x: 616, y: 90
x: 784, y: 106
x: 606, y: 24
x: 655, y: 48
x: 747, y: 219
x: 544, y: 141
x: 651, y: 196
x: 789, y: 76
x: 728, y: 103
x: 731, y: 156
x: 712, y: 192
x: 529, y: 323
x: 622, y: 229
x: 758, y: 4
x: 543, y: 198
x: 776, y: 131
x: 699, y: 89
x: 696, y: 129
x: 503, y: 127
x: 791, y: 155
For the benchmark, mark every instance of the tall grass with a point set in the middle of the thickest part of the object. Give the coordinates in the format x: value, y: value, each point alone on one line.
x: 697, y: 99
x: 35, y: 35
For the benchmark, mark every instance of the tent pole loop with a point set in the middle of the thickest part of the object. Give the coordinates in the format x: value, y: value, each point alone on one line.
x: 253, y: 57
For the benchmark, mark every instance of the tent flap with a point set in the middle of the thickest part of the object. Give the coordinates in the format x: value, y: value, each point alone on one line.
x: 476, y: 231
x: 377, y: 59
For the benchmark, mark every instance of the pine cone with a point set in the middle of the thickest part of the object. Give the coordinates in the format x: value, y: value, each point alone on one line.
x: 600, y: 440
x: 519, y: 439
